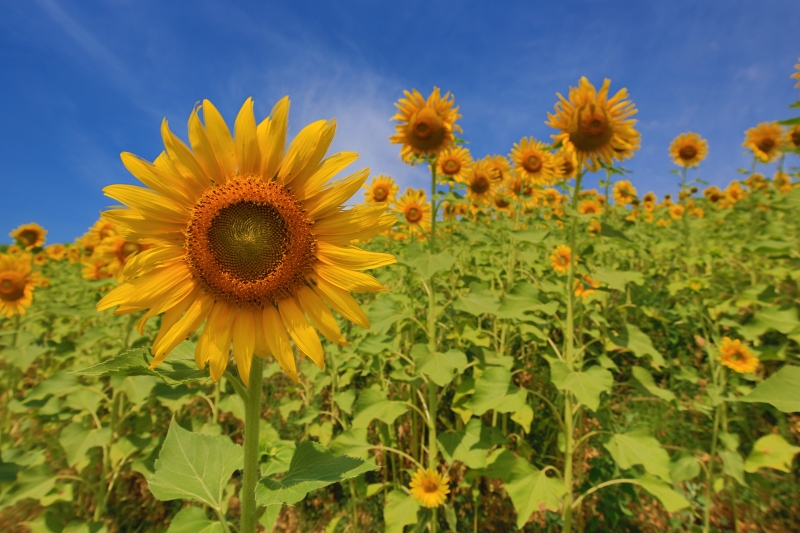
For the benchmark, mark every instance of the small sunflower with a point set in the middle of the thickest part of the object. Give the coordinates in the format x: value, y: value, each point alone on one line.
x: 598, y: 128
x: 697, y: 212
x: 585, y: 286
x: 99, y: 231
x: 416, y: 211
x: 247, y: 236
x: 17, y: 282
x: 452, y: 210
x: 503, y: 200
x: 425, y: 126
x: 734, y: 193
x: 429, y: 487
x: 95, y: 268
x: 74, y: 253
x: 115, y: 251
x: 382, y: 189
x: 453, y: 163
x: 713, y: 194
x: 590, y: 206
x: 534, y: 162
x: 624, y: 193
x: 688, y: 150
x: 737, y: 356
x: 29, y: 236
x: 499, y: 168
x: 793, y: 136
x: 595, y: 227
x: 782, y: 181
x: 40, y: 259
x: 56, y: 252
x: 756, y: 182
x: 14, y: 250
x: 566, y: 163
x: 560, y: 258
x: 481, y: 181
x: 676, y: 211
x: 765, y: 140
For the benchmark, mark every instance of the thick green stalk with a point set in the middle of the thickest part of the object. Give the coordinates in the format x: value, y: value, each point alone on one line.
x: 252, y: 418
x: 710, y: 480
x: 433, y: 451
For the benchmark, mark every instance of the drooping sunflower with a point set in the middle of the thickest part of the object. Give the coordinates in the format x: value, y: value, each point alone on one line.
x: 590, y: 206
x: 598, y: 128
x: 416, y: 211
x: 425, y: 126
x: 17, y: 282
x: 29, y: 236
x: 481, y: 182
x: 56, y: 252
x: 737, y: 356
x: 676, y: 211
x: 560, y: 258
x: 534, y: 162
x: 453, y: 163
x: 246, y: 236
x: 381, y: 189
x: 429, y: 487
x: 688, y: 150
x: 624, y: 193
x: 585, y: 286
x: 765, y: 140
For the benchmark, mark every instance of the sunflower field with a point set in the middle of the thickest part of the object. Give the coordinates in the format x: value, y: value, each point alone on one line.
x: 524, y: 353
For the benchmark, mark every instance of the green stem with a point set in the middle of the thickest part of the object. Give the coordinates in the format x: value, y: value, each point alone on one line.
x: 252, y: 418
x: 434, y: 207
x: 710, y: 476
x: 354, y: 497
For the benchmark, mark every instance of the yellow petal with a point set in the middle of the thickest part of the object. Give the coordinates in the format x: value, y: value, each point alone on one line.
x: 191, y: 188
x: 218, y: 333
x: 261, y: 348
x: 244, y: 342
x: 246, y: 141
x: 358, y: 218
x: 134, y: 227
x: 220, y: 137
x: 348, y: 280
x: 156, y: 257
x: 351, y: 257
x: 169, y: 320
x: 278, y: 341
x: 301, y: 331
x: 272, y: 138
x: 183, y: 158
x: 149, y: 203
x: 164, y: 184
x: 203, y: 150
x: 341, y: 301
x: 144, y: 290
x: 196, y: 314
x: 348, y: 235
x: 329, y: 168
x: 306, y: 151
x: 303, y: 172
x: 330, y: 200
x: 320, y: 315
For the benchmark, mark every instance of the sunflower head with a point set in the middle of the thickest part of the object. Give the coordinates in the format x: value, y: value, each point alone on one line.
x: 74, y: 253
x: 598, y: 128
x: 381, y: 189
x: 100, y: 230
x: 697, y: 212
x: 756, y: 182
x: 453, y: 163
x: 676, y: 211
x: 29, y: 236
x: 534, y: 162
x: 503, y: 200
x: 737, y: 356
x: 765, y: 141
x: 734, y: 192
x: 560, y: 258
x: 566, y: 163
x: 40, y: 258
x: 14, y: 250
x: 429, y: 487
x: 585, y: 286
x: 688, y: 150
x: 56, y: 252
x: 425, y: 126
x: 595, y: 227
x: 782, y: 181
x: 713, y: 194
x: 624, y: 193
x: 415, y: 210
x: 590, y: 206
x: 17, y: 283
x: 482, y: 180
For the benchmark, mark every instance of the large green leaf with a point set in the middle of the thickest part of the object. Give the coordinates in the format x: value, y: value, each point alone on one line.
x: 77, y: 440
x: 617, y: 279
x: 733, y: 465
x: 669, y: 498
x: 771, y: 451
x: 22, y: 356
x: 531, y: 490
x: 478, y: 302
x: 313, y: 467
x: 352, y: 442
x: 782, y: 319
x: 779, y: 390
x: 646, y: 380
x: 442, y: 367
x: 494, y: 390
x: 194, y: 466
x: 471, y: 444
x: 634, y: 340
x: 399, y: 511
x: 193, y: 520
x: 373, y: 404
x: 33, y: 483
x: 428, y: 265
x: 179, y: 367
x: 684, y: 467
x: 586, y: 385
x: 637, y: 447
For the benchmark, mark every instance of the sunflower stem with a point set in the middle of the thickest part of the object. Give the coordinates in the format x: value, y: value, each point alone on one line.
x: 252, y: 418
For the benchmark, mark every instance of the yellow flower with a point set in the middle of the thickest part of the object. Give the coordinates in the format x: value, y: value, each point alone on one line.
x: 426, y: 127
x: 734, y: 193
x: 560, y: 258
x: 533, y: 162
x: 676, y: 211
x: 756, y: 182
x: 765, y: 140
x: 14, y: 250
x: 595, y: 227
x: 793, y: 136
x: 585, y: 287
x: 451, y: 210
x: 429, y: 487
x: 29, y: 236
x: 453, y: 163
x: 16, y: 284
x: 566, y: 163
x: 74, y: 253
x: 246, y: 236
x: 56, y: 252
x: 697, y: 212
x: 590, y: 206
x: 416, y: 210
x: 782, y: 181
x: 737, y: 356
x: 40, y: 259
x: 481, y: 181
x: 382, y: 189
x: 503, y: 199
x: 598, y: 128
x: 688, y: 150
x: 713, y: 194
x: 624, y: 193
x: 99, y: 231
x: 95, y: 268
x: 499, y: 168
x: 115, y: 251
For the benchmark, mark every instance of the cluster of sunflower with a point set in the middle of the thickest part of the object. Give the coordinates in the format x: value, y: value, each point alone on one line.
x: 103, y: 252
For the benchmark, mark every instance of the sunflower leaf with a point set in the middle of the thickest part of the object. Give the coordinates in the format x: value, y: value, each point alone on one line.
x: 771, y: 451
x: 193, y: 520
x: 400, y: 511
x: 178, y: 368
x: 778, y: 390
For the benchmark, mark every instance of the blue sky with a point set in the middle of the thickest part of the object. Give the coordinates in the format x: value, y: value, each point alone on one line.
x: 84, y: 81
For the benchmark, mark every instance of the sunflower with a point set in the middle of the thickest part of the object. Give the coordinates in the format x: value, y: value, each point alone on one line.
x: 29, y: 236
x: 426, y: 127
x: 416, y: 211
x: 688, y: 150
x: 566, y: 163
x: 737, y: 356
x: 56, y: 252
x: 74, y: 253
x: 453, y: 163
x: 667, y: 201
x: 560, y: 258
x: 429, y: 487
x: 114, y: 251
x: 382, y: 189
x: 713, y: 194
x: 585, y: 286
x: 503, y: 200
x: 595, y: 227
x: 246, y: 236
x: 697, y: 212
x: 499, y: 168
x: 481, y: 181
x: 676, y: 211
x: 765, y: 140
x: 16, y: 284
x: 452, y: 210
x: 533, y: 162
x: 734, y: 193
x: 95, y: 268
x: 14, y: 250
x: 793, y: 136
x: 599, y: 129
x: 99, y: 231
x: 590, y: 206
x: 40, y: 259
x: 782, y: 181
x: 624, y: 193
x: 756, y: 182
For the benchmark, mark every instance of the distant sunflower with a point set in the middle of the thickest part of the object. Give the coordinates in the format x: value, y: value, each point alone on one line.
x: 676, y: 211
x: 503, y: 199
x: 248, y: 237
x: 595, y: 227
x: 697, y: 212
x: 737, y: 356
x: 453, y: 163
x: 765, y: 140
x: 713, y: 194
x: 74, y: 253
x: 649, y: 202
x: 688, y: 150
x: 426, y: 126
x: 756, y: 182
x: 566, y: 163
x: 481, y: 182
x: 14, y: 250
x: 560, y: 258
x: 793, y: 136
x: 782, y: 181
x: 115, y: 251
x: 590, y: 206
x: 534, y: 162
x: 598, y: 128
x: 382, y: 189
x: 499, y: 168
x: 56, y: 252
x: 95, y: 268
x: 29, y: 236
x: 40, y: 259
x: 734, y: 193
x: 17, y: 283
x: 416, y: 211
x: 585, y: 286
x: 429, y: 487
x: 624, y: 193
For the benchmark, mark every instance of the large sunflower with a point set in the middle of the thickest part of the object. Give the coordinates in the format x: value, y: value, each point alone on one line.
x: 453, y: 163
x: 482, y: 181
x: 17, y: 282
x: 29, y: 236
x: 598, y: 128
x: 382, y: 189
x: 416, y: 211
x: 765, y: 140
x: 533, y: 161
x: 426, y: 126
x: 688, y: 150
x: 246, y: 236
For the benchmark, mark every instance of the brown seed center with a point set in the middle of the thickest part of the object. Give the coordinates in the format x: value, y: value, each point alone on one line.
x: 480, y: 185
x: 379, y: 194
x: 12, y: 287
x: 451, y: 167
x: 28, y: 237
x: 532, y: 163
x: 590, y: 128
x: 687, y: 152
x: 413, y: 214
x: 766, y: 145
x: 426, y: 130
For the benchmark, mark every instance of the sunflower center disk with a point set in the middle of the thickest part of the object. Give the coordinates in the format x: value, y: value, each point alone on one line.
x: 11, y: 289
x: 28, y: 237
x: 451, y: 166
x: 430, y: 486
x: 480, y: 185
x: 687, y: 152
x: 590, y: 128
x: 426, y: 129
x: 766, y: 145
x: 532, y: 163
x: 413, y: 214
x: 380, y: 194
